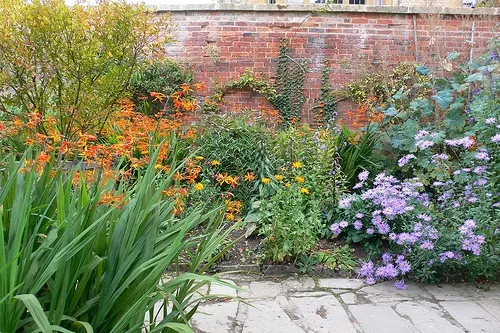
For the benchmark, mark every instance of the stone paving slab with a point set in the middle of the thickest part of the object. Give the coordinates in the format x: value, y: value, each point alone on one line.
x: 303, y: 304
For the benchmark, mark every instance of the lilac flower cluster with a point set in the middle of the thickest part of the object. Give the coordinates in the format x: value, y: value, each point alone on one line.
x: 465, y: 142
x: 470, y: 241
x: 405, y: 159
x: 389, y: 270
x: 424, y: 139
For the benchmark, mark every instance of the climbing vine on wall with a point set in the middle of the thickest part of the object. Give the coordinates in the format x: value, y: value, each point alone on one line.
x: 286, y: 94
x: 289, y: 83
x: 326, y: 109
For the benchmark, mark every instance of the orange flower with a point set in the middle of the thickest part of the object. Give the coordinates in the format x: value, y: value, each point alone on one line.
x: 43, y: 158
x: 157, y: 96
x: 249, y: 176
x: 200, y: 86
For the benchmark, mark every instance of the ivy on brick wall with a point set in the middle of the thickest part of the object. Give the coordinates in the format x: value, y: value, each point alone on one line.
x: 286, y: 94
x: 326, y: 109
x: 289, y: 83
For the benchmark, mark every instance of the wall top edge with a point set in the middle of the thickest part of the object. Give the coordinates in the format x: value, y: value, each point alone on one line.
x: 331, y: 8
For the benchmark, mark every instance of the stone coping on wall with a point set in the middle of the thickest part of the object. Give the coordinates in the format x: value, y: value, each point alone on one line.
x: 331, y: 8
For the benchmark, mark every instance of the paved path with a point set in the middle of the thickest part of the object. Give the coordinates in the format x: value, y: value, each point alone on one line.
x: 297, y: 305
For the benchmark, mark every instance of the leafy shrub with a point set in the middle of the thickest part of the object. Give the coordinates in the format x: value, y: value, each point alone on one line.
x: 436, y: 109
x: 160, y: 77
x: 73, y: 63
x: 90, y: 255
x: 290, y: 222
x: 237, y: 147
x: 356, y: 152
x: 290, y: 208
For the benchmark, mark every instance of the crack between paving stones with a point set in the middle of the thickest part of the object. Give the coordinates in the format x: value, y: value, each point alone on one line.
x: 238, y: 328
x: 406, y: 317
x: 348, y: 312
x: 446, y: 315
x: 296, y: 319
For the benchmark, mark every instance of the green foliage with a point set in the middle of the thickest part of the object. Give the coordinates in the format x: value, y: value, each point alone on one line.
x: 340, y: 258
x: 247, y: 81
x: 164, y: 77
x: 78, y: 261
x: 327, y: 106
x: 290, y: 76
x: 380, y: 86
x: 241, y: 145
x: 291, y: 223
x: 356, y: 152
x: 442, y: 108
x: 72, y: 62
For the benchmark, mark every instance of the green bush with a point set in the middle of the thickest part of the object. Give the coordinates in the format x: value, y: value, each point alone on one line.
x: 242, y: 146
x: 290, y: 223
x: 73, y: 63
x: 90, y: 256
x: 162, y: 77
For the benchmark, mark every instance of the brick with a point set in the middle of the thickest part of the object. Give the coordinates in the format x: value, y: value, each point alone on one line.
x: 251, y: 40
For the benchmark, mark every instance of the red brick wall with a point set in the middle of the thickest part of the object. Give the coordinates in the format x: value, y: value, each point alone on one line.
x: 221, y: 45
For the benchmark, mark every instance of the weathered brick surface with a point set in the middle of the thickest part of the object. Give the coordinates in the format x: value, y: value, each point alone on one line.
x: 221, y: 45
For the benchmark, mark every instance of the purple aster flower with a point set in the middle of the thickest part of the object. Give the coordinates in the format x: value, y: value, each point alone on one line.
x: 405, y: 159
x: 470, y: 223
x: 479, y: 170
x: 466, y: 142
x: 343, y: 224
x: 367, y: 269
x: 424, y: 144
x: 363, y: 176
x: 494, y: 55
x: 427, y: 245
x: 359, y: 215
x: 345, y: 202
x: 370, y: 280
x: 424, y: 217
x: 393, y: 236
x: 421, y: 134
x: 388, y: 271
x: 370, y: 231
x: 456, y: 204
x: 399, y: 259
x: 383, y: 228
x: 400, y: 285
x: 482, y: 155
x: 440, y: 157
x: 386, y: 258
x: 404, y: 267
x: 490, y: 121
x: 358, y: 225
x: 335, y: 228
x: 495, y: 138
x: 480, y: 182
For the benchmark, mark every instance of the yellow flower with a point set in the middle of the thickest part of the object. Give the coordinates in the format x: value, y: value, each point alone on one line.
x: 304, y: 190
x: 199, y: 158
x: 299, y: 179
x: 215, y: 162
x: 266, y: 180
x: 278, y: 177
x: 288, y: 185
x: 297, y: 165
x: 230, y: 216
x: 199, y: 186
